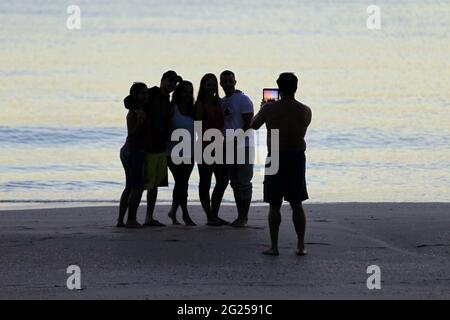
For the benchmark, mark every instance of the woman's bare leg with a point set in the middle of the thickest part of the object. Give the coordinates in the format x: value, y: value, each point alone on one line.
x: 123, y: 206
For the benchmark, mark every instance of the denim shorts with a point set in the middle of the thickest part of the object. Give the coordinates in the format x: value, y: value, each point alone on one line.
x: 133, y: 161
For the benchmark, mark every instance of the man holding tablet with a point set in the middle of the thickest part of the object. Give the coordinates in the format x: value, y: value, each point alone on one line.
x: 292, y: 119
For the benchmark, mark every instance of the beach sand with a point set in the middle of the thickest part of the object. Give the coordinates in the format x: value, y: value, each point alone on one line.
x: 410, y: 242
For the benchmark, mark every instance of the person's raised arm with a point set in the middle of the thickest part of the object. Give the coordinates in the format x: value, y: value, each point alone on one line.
x: 259, y: 119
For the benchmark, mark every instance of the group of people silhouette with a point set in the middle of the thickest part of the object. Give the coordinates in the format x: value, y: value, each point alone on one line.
x: 147, y: 153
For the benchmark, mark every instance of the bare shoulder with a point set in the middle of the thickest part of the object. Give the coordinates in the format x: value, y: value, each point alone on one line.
x: 303, y: 106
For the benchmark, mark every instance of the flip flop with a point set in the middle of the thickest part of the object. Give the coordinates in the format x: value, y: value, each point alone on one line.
x: 154, y: 223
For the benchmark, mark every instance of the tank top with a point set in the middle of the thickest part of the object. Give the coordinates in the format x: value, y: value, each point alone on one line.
x: 181, y: 121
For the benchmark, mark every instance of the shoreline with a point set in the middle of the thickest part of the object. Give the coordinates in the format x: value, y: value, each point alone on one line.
x: 61, y: 204
x: 409, y: 242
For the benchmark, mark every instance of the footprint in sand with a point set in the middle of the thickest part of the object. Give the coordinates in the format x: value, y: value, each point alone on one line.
x: 23, y: 228
x: 433, y: 245
x: 318, y: 243
x: 45, y: 238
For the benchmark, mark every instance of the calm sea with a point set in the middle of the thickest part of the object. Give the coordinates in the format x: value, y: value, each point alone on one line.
x: 380, y: 98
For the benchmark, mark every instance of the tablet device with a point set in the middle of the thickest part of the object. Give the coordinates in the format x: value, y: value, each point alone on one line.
x: 270, y: 94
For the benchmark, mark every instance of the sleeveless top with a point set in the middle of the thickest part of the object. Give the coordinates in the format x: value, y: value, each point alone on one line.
x: 180, y: 121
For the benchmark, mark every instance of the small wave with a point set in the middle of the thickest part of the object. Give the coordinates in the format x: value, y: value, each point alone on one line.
x: 373, y: 138
x: 53, y: 168
x: 58, y: 201
x: 85, y: 200
x: 112, y: 137
x: 11, y: 186
x: 56, y: 136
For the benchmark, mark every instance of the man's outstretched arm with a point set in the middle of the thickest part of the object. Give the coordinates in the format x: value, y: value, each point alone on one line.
x: 247, y: 118
x: 258, y: 120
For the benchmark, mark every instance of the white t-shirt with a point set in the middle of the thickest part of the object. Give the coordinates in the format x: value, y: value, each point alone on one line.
x: 233, y: 108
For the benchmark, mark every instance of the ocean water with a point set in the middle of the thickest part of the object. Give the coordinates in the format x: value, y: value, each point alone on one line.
x: 380, y: 98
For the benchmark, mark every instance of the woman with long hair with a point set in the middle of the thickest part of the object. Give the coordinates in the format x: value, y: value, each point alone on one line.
x: 183, y: 118
x: 208, y: 111
x: 133, y: 155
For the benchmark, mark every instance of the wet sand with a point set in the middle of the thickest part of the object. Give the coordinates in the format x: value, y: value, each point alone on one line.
x: 409, y: 242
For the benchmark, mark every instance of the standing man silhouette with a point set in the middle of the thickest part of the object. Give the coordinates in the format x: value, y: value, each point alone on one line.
x: 292, y: 119
x: 238, y: 113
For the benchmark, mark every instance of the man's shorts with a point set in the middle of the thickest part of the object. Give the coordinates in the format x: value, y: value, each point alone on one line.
x: 156, y: 170
x: 289, y: 182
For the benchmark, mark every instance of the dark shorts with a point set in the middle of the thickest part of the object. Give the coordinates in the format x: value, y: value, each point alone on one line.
x: 133, y: 163
x: 289, y: 182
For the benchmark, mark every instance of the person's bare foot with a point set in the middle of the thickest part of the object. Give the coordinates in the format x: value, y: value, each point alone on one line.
x: 133, y: 225
x: 214, y: 222
x: 224, y: 222
x: 153, y: 223
x: 271, y: 252
x: 173, y: 216
x: 120, y: 224
x: 238, y: 223
x: 188, y: 221
x: 301, y: 252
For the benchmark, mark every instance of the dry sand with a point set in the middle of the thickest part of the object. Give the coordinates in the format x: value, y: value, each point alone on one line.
x: 409, y: 242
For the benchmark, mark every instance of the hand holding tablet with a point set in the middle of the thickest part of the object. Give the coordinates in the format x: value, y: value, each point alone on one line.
x: 270, y: 94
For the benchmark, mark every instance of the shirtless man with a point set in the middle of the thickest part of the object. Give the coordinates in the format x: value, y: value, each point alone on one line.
x: 292, y: 119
